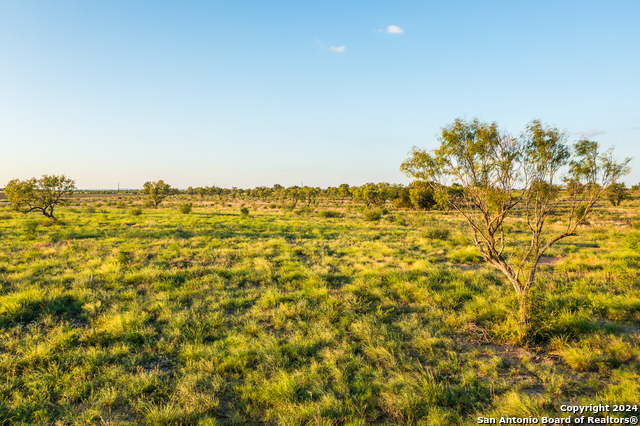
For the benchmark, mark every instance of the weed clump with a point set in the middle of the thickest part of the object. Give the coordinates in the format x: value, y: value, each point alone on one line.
x: 136, y: 211
x: 244, y: 212
x: 30, y: 228
x: 434, y: 233
x: 185, y: 208
x: 123, y: 257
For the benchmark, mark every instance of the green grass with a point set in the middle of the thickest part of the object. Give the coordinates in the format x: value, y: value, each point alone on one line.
x: 300, y: 317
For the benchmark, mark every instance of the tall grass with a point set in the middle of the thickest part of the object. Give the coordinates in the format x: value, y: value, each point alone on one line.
x: 210, y: 318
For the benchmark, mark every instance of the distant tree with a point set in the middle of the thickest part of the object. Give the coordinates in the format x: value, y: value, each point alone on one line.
x: 503, y: 177
x: 617, y: 193
x: 39, y: 195
x: 371, y: 194
x: 421, y: 195
x: 157, y: 191
x: 344, y: 192
x: 310, y: 194
x: 296, y: 194
x: 402, y: 198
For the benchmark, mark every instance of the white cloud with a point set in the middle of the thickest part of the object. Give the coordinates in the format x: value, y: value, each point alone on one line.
x: 590, y: 133
x: 337, y: 49
x: 394, y: 29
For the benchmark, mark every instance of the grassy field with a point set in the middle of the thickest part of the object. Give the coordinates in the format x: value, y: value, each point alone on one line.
x: 115, y: 315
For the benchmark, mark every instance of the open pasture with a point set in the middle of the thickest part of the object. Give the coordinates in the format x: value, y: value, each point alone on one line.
x: 111, y: 316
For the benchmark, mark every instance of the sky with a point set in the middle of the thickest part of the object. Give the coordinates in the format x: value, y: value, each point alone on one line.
x: 252, y: 93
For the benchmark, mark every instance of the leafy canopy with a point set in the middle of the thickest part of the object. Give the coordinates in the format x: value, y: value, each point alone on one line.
x: 157, y: 191
x: 39, y: 195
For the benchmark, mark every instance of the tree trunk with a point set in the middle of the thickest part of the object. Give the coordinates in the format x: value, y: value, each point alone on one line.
x: 523, y: 315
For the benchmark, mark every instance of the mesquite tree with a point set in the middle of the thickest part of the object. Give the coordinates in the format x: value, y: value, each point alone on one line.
x: 157, y: 191
x: 39, y: 195
x: 501, y: 177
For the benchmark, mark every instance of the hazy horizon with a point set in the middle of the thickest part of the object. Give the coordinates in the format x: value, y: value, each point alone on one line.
x: 251, y: 94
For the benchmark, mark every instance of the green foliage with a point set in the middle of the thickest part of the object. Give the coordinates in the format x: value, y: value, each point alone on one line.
x: 304, y: 210
x: 617, y: 193
x: 421, y: 195
x: 30, y: 228
x: 244, y: 211
x: 156, y: 191
x: 185, y: 208
x: 135, y: 211
x: 39, y: 195
x: 329, y: 213
x: 488, y: 165
x: 437, y: 233
x: 372, y: 215
x: 123, y: 257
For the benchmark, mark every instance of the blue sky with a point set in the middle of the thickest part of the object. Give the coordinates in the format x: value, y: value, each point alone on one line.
x: 251, y: 93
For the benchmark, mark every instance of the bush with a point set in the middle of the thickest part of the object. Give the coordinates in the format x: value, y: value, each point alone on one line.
x: 329, y: 213
x: 303, y: 210
x: 136, y: 211
x: 5, y: 216
x: 399, y: 220
x: 30, y: 228
x: 244, y: 211
x: 89, y: 210
x: 185, y: 208
x: 372, y: 215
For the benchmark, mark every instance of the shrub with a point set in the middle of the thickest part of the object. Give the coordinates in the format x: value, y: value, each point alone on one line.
x: 303, y: 210
x: 372, y: 215
x: 329, y: 213
x: 5, y: 216
x: 185, y: 208
x: 89, y: 210
x: 399, y: 220
x: 136, y: 211
x: 244, y: 211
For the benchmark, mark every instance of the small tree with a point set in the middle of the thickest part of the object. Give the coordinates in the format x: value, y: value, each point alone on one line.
x: 421, y: 195
x: 617, y: 193
x: 39, y: 195
x: 157, y: 191
x: 502, y: 177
